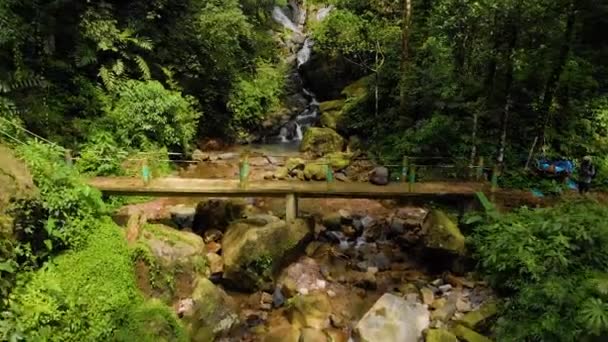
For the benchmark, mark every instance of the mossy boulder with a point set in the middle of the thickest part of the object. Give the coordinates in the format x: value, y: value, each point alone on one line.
x: 168, y: 261
x: 357, y: 89
x: 474, y: 318
x: 15, y: 183
x: 338, y: 160
x: 315, y: 171
x: 321, y: 141
x: 440, y: 335
x: 331, y: 119
x: 255, y: 248
x: 468, y: 335
x: 442, y: 233
x: 310, y: 311
x: 212, y: 313
x: 334, y: 105
x: 294, y: 164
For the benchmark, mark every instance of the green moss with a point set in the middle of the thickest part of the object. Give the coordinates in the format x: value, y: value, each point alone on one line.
x: 467, y: 335
x: 472, y: 319
x: 335, y: 105
x: 321, y: 141
x: 440, y: 335
x: 89, y: 295
x: 173, y: 235
x: 443, y: 233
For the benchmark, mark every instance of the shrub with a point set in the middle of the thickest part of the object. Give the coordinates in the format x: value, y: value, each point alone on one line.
x: 550, y: 264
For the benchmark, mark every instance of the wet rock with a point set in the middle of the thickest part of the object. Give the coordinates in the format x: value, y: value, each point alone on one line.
x: 467, y: 335
x: 441, y: 233
x: 281, y: 173
x: 331, y: 105
x: 440, y: 335
x: 295, y: 164
x: 303, y: 276
x: 216, y: 264
x: 332, y: 221
x: 408, y: 288
x: 393, y: 319
x: 312, y: 335
x: 337, y: 160
x: 334, y: 236
x: 337, y: 335
x: 367, y: 222
x: 212, y: 235
x: 379, y: 176
x: 462, y: 305
x: 365, y: 280
x: 228, y: 156
x: 258, y: 161
x: 182, y: 216
x: 212, y: 312
x: 321, y: 141
x: 445, y: 288
x: 184, y: 306
x: 213, y: 247
x: 273, y: 160
x: 217, y: 214
x: 254, y: 317
x: 310, y: 311
x: 439, y: 303
x: 428, y: 297
x: 255, y: 247
x: 473, y: 319
x: 277, y: 297
x: 340, y: 176
x: 459, y: 281
x: 447, y: 310
x: 284, y: 333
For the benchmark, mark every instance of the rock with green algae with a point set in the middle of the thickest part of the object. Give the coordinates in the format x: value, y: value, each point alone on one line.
x: 310, y: 311
x: 254, y: 248
x: 357, y: 89
x: 334, y: 105
x: 284, y: 333
x: 321, y: 141
x: 212, y: 313
x: 315, y: 171
x: 440, y: 335
x: 281, y: 173
x: 442, y: 233
x: 172, y: 257
x: 338, y: 160
x: 468, y: 335
x: 294, y: 164
x: 331, y: 119
x: 474, y: 318
x: 312, y: 335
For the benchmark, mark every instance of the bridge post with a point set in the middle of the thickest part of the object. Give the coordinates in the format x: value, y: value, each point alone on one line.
x: 412, y: 178
x: 291, y: 207
x: 145, y: 172
x: 243, y: 171
x: 494, y: 178
x: 329, y: 173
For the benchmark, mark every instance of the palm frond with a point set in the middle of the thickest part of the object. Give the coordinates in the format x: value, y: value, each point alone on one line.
x: 143, y: 67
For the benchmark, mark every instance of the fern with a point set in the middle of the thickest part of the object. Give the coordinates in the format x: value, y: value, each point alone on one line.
x: 107, y: 77
x: 594, y: 316
x: 118, y: 68
x: 143, y: 67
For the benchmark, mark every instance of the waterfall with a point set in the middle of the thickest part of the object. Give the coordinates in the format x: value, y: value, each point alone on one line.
x: 299, y: 134
x: 324, y: 12
x: 279, y: 16
x: 304, y: 53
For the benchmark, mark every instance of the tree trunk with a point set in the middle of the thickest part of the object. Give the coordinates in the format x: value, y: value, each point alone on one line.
x: 474, y: 139
x: 558, y: 68
x: 405, y: 39
x: 508, y: 85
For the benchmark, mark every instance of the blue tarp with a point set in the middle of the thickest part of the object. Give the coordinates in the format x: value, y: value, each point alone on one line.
x: 559, y: 166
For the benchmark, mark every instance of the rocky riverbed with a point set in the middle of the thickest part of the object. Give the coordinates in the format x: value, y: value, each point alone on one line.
x: 236, y: 272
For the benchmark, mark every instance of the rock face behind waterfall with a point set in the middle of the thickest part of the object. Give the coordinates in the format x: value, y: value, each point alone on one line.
x: 255, y: 247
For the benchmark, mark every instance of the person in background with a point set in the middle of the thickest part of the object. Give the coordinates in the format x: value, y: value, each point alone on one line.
x: 586, y: 174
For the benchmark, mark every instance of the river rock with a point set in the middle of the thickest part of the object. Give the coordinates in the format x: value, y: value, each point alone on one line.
x: 212, y: 235
x: 255, y: 247
x: 473, y: 319
x: 337, y: 335
x: 302, y: 276
x: 312, y: 335
x: 295, y: 164
x: 468, y: 335
x: 428, y: 297
x: 333, y: 105
x: 440, y: 335
x: 321, y: 141
x: 379, y: 176
x: 393, y: 319
x: 340, y: 176
x: 216, y: 264
x: 310, y: 311
x: 281, y: 173
x: 315, y: 171
x: 182, y: 216
x: 170, y: 249
x: 228, y: 156
x: 200, y: 156
x: 212, y: 312
x: 282, y: 333
x: 217, y: 214
x: 441, y: 233
x: 447, y: 310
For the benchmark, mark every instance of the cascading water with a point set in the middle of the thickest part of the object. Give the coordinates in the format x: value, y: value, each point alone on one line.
x: 293, y: 130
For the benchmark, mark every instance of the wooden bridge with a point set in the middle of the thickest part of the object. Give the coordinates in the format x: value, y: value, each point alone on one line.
x: 291, y: 190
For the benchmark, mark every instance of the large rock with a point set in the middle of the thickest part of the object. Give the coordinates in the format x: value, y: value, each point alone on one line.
x: 303, y: 276
x: 321, y: 141
x: 15, y: 180
x: 442, y: 233
x: 338, y: 160
x: 327, y: 76
x: 486, y: 311
x: 440, y: 335
x: 182, y: 215
x: 168, y: 261
x: 332, y: 119
x: 217, y: 214
x: 468, y: 335
x: 379, y: 176
x: 393, y: 319
x: 212, y: 312
x: 310, y: 311
x: 315, y: 171
x: 334, y: 105
x: 256, y: 247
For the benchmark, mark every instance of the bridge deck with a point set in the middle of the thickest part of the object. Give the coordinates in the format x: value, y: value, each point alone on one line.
x: 182, y: 187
